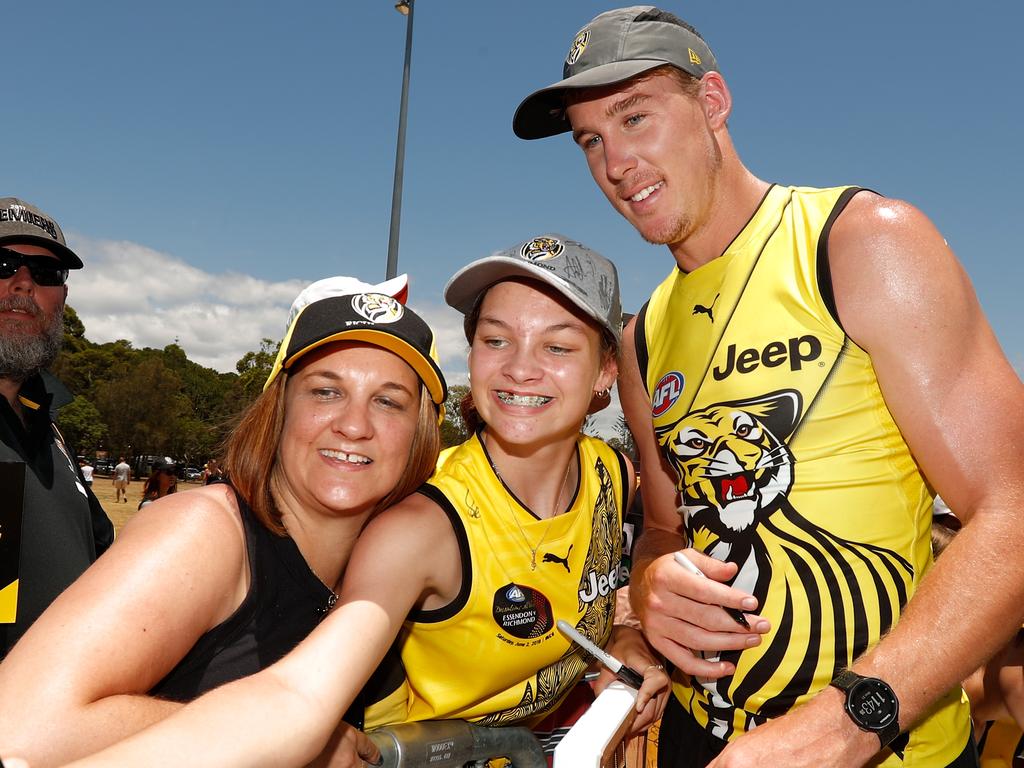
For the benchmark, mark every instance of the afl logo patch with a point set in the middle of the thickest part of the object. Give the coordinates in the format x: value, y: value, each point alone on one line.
x: 542, y: 249
x: 377, y: 307
x: 522, y: 612
x: 579, y: 45
x: 667, y: 392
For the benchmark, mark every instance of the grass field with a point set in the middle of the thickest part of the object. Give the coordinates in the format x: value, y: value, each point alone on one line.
x: 119, y: 513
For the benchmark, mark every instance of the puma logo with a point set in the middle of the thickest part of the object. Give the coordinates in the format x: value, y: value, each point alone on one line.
x: 550, y: 557
x: 700, y: 309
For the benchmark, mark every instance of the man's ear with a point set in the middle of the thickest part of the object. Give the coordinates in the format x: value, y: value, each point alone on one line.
x: 715, y: 99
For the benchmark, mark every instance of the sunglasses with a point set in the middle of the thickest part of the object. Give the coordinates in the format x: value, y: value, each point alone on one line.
x: 44, y: 270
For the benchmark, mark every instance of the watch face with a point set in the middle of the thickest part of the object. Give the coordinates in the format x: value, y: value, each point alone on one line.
x: 872, y: 704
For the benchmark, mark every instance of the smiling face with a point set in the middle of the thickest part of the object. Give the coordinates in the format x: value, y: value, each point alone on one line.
x: 653, y: 152
x: 350, y: 414
x: 534, y: 364
x: 31, y: 319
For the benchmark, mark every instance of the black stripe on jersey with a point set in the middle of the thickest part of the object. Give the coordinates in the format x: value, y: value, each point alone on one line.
x: 624, y: 503
x: 640, y: 342
x: 447, y: 611
x: 824, y: 270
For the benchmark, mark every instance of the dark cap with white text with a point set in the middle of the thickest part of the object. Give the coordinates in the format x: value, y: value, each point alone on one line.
x: 21, y: 222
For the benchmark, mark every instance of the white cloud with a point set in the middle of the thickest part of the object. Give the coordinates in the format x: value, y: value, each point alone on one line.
x: 152, y: 299
x: 128, y: 291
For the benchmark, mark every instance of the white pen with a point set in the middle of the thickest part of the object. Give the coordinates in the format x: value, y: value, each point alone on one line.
x: 628, y: 675
x: 734, y: 612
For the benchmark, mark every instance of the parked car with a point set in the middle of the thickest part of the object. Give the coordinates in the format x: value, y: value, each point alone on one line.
x: 104, y: 466
x: 193, y: 473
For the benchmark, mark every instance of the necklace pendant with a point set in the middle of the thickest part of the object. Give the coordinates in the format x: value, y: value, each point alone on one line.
x: 533, y: 560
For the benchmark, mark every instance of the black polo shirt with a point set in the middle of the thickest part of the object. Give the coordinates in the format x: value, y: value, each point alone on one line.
x: 64, y: 528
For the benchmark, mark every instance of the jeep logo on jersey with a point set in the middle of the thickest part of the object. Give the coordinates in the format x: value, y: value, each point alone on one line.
x: 797, y: 351
x: 600, y: 585
x: 542, y: 249
x: 579, y: 45
x: 667, y: 392
x: 377, y: 307
x: 522, y: 612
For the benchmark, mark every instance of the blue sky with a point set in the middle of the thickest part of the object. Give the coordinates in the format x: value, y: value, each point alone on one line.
x: 210, y: 159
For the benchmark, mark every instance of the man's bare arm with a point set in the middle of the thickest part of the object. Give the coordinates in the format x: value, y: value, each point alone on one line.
x: 904, y: 298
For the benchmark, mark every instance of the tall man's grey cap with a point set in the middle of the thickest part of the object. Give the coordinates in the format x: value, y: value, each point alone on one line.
x: 583, y: 276
x: 22, y: 222
x: 614, y: 47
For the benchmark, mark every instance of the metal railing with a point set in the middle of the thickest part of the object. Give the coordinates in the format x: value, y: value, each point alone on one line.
x: 596, y: 740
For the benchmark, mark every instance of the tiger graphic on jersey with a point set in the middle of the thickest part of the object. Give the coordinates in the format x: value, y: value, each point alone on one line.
x: 735, y: 472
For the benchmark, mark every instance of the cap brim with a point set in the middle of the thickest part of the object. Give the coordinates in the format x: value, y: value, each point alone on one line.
x: 427, y: 370
x: 542, y: 113
x: 468, y: 283
x: 68, y: 258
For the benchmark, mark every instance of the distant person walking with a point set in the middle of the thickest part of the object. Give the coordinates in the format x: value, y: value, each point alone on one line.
x: 122, y: 477
x: 87, y: 470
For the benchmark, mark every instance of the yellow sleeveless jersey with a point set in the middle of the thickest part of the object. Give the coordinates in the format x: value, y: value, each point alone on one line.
x: 789, y: 464
x: 494, y: 655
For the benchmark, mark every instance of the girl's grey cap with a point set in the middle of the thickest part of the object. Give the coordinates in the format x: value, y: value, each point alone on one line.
x: 613, y: 47
x: 582, y: 275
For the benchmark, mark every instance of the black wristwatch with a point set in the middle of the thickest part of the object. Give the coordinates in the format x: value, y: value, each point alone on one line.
x: 871, y: 704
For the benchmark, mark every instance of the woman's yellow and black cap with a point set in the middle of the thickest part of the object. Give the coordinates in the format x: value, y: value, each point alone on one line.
x: 372, y: 318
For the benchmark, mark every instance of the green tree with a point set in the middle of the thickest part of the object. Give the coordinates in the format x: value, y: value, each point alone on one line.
x: 623, y: 438
x: 74, y: 331
x: 143, y: 409
x: 253, y: 369
x: 453, y: 428
x: 82, y: 425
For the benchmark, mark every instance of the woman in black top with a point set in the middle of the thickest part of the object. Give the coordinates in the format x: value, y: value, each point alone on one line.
x: 209, y: 585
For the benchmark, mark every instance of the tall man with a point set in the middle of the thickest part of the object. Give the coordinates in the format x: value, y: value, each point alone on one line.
x: 63, y: 527
x: 122, y: 479
x: 813, y: 368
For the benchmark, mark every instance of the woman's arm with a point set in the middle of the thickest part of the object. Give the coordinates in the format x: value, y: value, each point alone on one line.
x: 629, y: 646
x: 78, y: 679
x: 288, y: 711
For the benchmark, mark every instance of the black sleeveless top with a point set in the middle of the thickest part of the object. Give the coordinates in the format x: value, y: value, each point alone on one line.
x: 285, y: 602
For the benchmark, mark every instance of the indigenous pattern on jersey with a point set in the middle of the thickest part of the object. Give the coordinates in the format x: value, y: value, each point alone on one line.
x: 789, y: 464
x: 494, y: 655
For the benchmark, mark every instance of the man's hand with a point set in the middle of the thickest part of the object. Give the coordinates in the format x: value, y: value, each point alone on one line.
x: 682, y: 613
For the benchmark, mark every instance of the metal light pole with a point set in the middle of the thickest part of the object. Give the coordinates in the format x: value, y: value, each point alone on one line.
x: 405, y: 7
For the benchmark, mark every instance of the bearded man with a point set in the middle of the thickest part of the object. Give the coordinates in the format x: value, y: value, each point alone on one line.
x: 51, y: 525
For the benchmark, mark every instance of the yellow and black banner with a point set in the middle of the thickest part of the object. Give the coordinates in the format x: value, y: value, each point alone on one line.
x: 12, y: 498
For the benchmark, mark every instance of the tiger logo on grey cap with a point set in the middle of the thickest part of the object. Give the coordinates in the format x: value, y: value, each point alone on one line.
x: 579, y: 45
x: 542, y: 249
